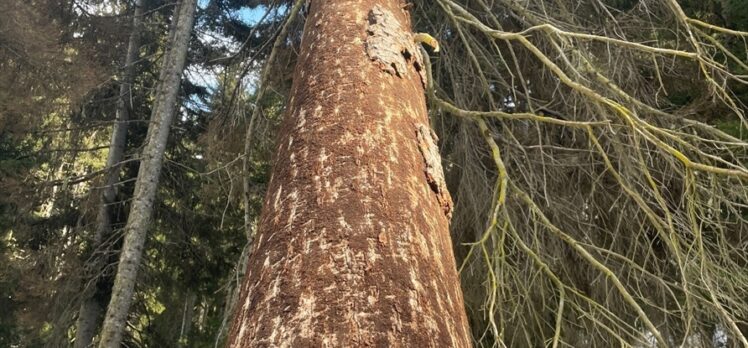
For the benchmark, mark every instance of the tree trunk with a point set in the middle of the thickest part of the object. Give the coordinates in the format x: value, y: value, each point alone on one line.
x: 353, y: 245
x: 91, y: 309
x: 148, y: 175
x: 88, y: 320
x: 187, y: 313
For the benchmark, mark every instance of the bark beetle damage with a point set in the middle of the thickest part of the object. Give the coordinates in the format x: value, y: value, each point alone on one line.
x: 434, y: 173
x: 389, y: 44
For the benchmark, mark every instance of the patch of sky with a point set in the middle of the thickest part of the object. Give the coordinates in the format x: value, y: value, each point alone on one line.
x: 100, y: 8
x: 251, y: 16
x: 248, y: 15
x: 208, y: 77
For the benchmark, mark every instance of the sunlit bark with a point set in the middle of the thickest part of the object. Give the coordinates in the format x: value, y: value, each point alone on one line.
x: 353, y: 245
x: 151, y: 162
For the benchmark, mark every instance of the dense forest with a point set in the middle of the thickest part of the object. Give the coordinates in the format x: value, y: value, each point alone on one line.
x: 441, y: 173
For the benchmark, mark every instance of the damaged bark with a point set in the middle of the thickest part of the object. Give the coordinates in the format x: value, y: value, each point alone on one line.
x: 434, y: 173
x: 391, y: 44
x: 353, y: 245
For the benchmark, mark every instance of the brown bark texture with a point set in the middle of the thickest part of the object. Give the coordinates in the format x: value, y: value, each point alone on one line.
x: 353, y: 245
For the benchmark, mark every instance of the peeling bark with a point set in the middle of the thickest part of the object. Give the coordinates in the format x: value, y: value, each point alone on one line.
x: 353, y: 246
x: 391, y: 44
x: 434, y: 173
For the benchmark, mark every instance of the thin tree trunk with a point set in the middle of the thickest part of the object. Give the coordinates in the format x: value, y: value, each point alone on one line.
x: 353, y: 245
x: 247, y: 182
x: 91, y: 309
x: 232, y: 295
x: 148, y: 175
x: 187, y: 312
x: 88, y: 320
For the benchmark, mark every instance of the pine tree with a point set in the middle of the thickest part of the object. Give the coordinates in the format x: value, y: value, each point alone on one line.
x: 91, y: 308
x: 148, y: 176
x: 353, y: 244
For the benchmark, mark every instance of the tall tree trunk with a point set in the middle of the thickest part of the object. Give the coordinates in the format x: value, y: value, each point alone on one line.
x: 353, y: 245
x: 91, y: 309
x: 148, y: 176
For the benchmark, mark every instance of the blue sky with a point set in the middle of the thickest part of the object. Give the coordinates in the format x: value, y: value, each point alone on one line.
x: 251, y: 16
x: 207, y: 77
x: 246, y: 14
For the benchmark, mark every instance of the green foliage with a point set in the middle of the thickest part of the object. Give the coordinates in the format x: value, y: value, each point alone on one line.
x: 736, y: 14
x: 50, y: 201
x: 732, y: 127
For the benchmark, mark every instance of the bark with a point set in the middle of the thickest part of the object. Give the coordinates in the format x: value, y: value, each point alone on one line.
x: 148, y: 176
x: 353, y: 245
x: 232, y: 295
x: 91, y: 308
x: 247, y: 182
x: 88, y: 320
x: 187, y: 313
